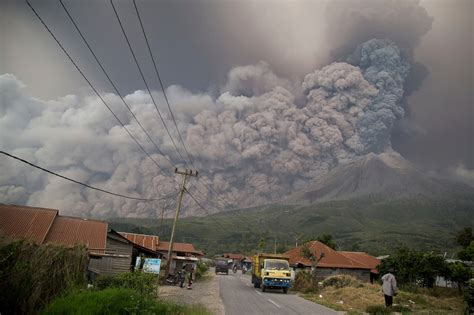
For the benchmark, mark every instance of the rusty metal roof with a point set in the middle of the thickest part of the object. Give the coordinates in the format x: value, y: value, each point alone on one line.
x: 331, y: 259
x: 70, y: 231
x: 26, y: 222
x: 234, y: 256
x: 364, y: 259
x: 148, y: 241
x: 179, y: 247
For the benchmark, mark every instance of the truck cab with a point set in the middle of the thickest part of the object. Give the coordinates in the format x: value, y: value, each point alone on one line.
x: 271, y: 271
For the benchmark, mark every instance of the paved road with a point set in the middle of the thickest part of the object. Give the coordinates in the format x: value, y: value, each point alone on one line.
x: 240, y: 297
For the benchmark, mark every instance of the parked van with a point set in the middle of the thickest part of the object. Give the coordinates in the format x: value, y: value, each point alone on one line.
x: 222, y: 266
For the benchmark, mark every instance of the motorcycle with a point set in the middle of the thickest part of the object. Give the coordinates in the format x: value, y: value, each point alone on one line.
x: 177, y: 278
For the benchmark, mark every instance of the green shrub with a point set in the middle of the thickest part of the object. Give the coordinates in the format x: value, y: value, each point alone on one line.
x: 378, y: 309
x: 341, y: 281
x: 469, y: 295
x: 201, y: 270
x: 144, y: 283
x: 111, y: 301
x: 303, y: 281
x: 32, y: 275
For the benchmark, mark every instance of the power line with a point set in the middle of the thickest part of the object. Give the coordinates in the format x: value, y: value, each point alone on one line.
x: 167, y: 101
x: 144, y: 80
x: 81, y: 183
x: 110, y: 80
x: 159, y: 78
x: 92, y: 86
x: 205, y: 210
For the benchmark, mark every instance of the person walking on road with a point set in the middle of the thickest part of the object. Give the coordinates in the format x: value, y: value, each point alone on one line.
x: 189, y: 275
x: 389, y: 287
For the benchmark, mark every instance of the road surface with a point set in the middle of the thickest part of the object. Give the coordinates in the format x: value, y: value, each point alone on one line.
x: 240, y: 297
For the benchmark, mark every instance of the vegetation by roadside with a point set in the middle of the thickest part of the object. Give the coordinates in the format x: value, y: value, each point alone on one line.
x: 32, y: 275
x: 345, y: 293
x: 126, y: 293
x: 117, y: 301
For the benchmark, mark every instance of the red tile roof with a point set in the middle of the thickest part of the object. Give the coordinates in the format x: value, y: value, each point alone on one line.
x: 234, y: 256
x: 26, y: 222
x: 70, y: 231
x: 364, y: 259
x: 148, y: 241
x: 179, y: 247
x: 331, y: 259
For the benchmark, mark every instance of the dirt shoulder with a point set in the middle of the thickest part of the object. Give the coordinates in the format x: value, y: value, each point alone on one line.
x: 205, y: 292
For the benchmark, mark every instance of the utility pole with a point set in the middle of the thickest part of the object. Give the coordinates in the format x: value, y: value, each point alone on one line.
x: 275, y: 246
x: 185, y: 175
x: 162, y: 216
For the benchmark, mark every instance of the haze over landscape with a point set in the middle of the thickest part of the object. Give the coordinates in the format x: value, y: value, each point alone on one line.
x: 265, y: 118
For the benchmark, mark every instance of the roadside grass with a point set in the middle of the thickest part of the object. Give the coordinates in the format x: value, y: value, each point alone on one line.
x: 358, y: 297
x: 117, y: 301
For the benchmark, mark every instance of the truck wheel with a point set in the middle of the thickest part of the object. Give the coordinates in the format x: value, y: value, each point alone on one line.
x: 255, y: 285
x: 285, y: 290
x: 263, y: 288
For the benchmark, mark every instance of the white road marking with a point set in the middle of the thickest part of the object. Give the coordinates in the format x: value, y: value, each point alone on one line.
x: 274, y: 303
x: 258, y: 292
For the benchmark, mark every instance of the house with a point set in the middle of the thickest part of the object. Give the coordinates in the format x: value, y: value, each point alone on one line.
x: 148, y: 241
x: 364, y: 259
x: 109, y: 252
x: 182, y: 254
x: 332, y: 262
x: 120, y: 255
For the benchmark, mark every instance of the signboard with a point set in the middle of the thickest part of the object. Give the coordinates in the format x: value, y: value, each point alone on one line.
x: 151, y: 265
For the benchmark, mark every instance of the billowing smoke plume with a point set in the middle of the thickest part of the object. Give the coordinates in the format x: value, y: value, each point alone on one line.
x: 253, y: 143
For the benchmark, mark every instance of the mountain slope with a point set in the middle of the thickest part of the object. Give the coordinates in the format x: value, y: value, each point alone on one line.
x: 386, y: 175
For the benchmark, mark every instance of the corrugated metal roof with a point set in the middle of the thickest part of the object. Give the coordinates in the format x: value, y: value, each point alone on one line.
x: 234, y: 256
x: 363, y: 258
x: 26, y: 222
x: 70, y: 231
x: 148, y: 241
x: 331, y: 259
x: 179, y: 247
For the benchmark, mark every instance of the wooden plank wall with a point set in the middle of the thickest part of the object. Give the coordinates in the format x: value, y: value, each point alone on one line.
x: 110, y: 265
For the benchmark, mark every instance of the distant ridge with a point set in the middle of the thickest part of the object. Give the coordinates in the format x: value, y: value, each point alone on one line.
x: 387, y: 175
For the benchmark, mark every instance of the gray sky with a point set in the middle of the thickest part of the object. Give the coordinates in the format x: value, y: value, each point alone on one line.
x: 197, y: 43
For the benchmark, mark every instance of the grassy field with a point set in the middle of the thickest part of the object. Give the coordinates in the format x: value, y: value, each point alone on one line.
x: 360, y: 297
x: 374, y: 226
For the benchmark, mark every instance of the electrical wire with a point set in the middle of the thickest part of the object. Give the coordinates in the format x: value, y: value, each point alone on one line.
x: 92, y: 86
x: 227, y: 204
x: 205, y: 210
x: 144, y: 80
x: 81, y: 183
x: 110, y: 80
x: 159, y: 78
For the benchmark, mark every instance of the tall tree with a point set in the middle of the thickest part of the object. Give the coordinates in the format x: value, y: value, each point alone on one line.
x: 465, y: 237
x: 312, y: 255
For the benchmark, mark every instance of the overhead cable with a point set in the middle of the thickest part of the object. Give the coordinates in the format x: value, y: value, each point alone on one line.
x: 81, y: 183
x: 92, y: 86
x: 110, y: 80
x: 159, y: 79
x: 144, y: 80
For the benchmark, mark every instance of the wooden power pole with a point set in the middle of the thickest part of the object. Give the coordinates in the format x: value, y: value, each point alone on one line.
x: 185, y: 175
